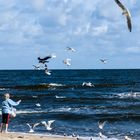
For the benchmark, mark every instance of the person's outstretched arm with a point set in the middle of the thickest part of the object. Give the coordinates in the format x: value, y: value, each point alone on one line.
x: 13, y: 103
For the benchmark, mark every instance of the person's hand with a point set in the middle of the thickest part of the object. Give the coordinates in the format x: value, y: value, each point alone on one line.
x: 18, y: 101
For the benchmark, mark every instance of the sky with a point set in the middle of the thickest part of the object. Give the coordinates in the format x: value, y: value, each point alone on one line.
x: 96, y: 29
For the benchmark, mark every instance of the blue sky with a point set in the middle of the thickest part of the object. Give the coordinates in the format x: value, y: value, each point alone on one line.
x: 95, y: 28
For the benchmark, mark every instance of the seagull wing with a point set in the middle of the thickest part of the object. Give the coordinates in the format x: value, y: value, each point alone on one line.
x: 120, y: 5
x: 50, y: 122
x: 47, y: 57
x: 29, y: 125
x: 36, y: 124
x: 129, y: 24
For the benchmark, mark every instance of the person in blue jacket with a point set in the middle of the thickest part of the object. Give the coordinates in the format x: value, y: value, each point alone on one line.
x: 7, y: 105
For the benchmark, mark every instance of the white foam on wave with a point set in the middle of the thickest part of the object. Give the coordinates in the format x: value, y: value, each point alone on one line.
x: 55, y: 85
x: 56, y: 96
x: 3, y: 89
x: 28, y: 112
x: 129, y: 95
x: 63, y: 109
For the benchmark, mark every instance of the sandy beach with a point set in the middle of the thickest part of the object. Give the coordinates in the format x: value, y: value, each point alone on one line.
x: 24, y: 136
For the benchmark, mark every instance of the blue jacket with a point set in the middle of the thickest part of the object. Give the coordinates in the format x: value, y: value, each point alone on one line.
x: 7, y: 106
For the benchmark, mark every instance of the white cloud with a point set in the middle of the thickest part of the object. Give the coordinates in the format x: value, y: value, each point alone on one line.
x: 133, y: 50
x: 96, y: 31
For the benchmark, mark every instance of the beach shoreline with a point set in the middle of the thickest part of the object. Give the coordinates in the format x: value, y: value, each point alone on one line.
x: 27, y: 136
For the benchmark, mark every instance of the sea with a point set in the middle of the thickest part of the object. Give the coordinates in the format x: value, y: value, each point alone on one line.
x: 77, y: 100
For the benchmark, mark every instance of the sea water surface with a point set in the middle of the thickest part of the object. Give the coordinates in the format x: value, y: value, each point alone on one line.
x: 114, y: 97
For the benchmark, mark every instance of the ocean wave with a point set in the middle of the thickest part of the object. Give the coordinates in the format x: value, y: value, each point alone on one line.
x: 61, y: 86
x: 4, y: 89
x: 129, y: 95
x: 59, y: 97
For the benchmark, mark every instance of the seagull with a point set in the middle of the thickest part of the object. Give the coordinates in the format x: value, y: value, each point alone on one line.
x: 48, y: 125
x: 38, y: 104
x: 36, y: 67
x: 32, y: 127
x: 47, y: 72
x: 89, y: 84
x: 127, y: 14
x: 70, y: 49
x: 67, y: 61
x: 101, y: 124
x: 103, y: 61
x: 127, y: 138
x: 44, y: 60
x: 102, y: 136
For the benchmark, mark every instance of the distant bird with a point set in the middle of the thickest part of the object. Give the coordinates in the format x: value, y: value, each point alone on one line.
x: 89, y: 84
x: 70, y: 49
x: 127, y: 138
x: 101, y: 124
x: 127, y: 14
x: 36, y: 67
x: 38, y: 104
x: 44, y: 60
x: 103, y: 61
x: 67, y: 61
x: 47, y: 72
x: 48, y: 124
x: 32, y: 127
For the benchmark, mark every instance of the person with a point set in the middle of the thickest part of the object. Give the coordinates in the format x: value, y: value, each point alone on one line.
x: 7, y: 106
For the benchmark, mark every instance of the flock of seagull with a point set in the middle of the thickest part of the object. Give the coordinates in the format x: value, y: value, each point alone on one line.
x: 48, y: 127
x: 67, y: 61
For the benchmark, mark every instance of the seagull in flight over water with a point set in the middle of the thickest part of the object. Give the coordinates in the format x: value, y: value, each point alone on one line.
x: 67, y: 61
x: 48, y: 124
x: 127, y: 14
x: 101, y: 124
x: 32, y: 127
x: 44, y: 60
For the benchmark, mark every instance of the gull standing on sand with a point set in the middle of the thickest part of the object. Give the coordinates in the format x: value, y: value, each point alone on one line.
x: 32, y: 127
x: 126, y: 13
x: 67, y: 61
x: 48, y: 124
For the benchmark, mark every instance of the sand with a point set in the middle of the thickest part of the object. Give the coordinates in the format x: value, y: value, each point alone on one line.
x: 26, y: 136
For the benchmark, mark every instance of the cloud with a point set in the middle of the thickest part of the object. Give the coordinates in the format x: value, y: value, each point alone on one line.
x: 52, y: 25
x: 135, y: 50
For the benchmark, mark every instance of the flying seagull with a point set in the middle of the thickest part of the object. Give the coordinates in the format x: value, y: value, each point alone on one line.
x: 38, y: 104
x: 127, y: 138
x: 67, y: 61
x: 44, y: 60
x: 48, y: 125
x: 126, y: 13
x: 32, y: 127
x: 36, y: 67
x: 103, y: 61
x: 70, y: 49
x: 46, y: 70
x: 101, y: 124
